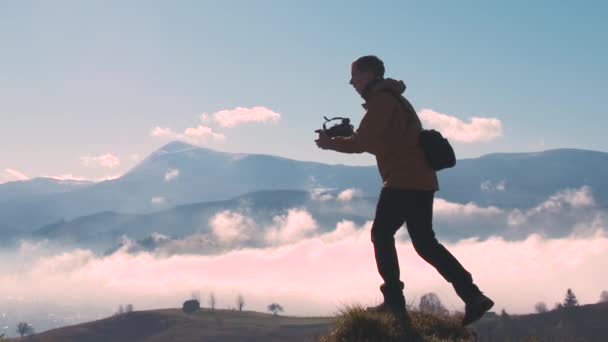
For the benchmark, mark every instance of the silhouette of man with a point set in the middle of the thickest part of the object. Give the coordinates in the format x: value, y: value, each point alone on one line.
x: 390, y: 130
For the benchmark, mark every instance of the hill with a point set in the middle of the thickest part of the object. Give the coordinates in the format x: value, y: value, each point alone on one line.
x: 353, y: 325
x: 174, y: 325
x: 581, y: 323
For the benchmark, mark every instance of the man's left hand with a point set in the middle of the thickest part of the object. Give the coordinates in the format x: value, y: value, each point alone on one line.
x: 324, y: 141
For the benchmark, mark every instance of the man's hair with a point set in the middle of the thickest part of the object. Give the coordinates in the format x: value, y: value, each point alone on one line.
x: 370, y: 63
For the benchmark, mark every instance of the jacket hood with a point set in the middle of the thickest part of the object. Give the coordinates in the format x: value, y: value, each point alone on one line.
x: 396, y: 87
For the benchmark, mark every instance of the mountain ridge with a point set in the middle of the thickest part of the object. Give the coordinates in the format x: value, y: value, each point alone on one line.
x: 182, y: 173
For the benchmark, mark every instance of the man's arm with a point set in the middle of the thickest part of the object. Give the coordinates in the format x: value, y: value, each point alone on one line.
x: 368, y: 136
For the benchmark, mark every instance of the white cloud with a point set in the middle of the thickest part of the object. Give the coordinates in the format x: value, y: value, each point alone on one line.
x: 442, y: 207
x: 158, y: 200
x: 162, y: 132
x: 477, y: 130
x: 203, y: 132
x: 68, y: 176
x: 171, y: 174
x: 489, y: 186
x: 192, y: 135
x: 294, y: 226
x: 348, y: 194
x: 576, y: 198
x: 108, y: 178
x: 516, y: 218
x: 28, y: 247
x: 321, y: 194
x: 231, y: 227
x: 107, y: 160
x: 573, y: 198
x: 347, y: 229
x: 16, y: 174
x: 230, y: 118
x: 516, y: 274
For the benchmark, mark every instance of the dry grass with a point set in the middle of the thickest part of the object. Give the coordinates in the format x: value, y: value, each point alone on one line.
x: 355, y: 324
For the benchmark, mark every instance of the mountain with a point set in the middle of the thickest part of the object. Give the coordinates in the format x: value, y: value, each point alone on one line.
x: 102, y: 231
x: 179, y: 174
x: 520, y: 180
x: 37, y: 187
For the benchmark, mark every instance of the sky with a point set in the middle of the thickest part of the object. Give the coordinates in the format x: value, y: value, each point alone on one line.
x: 89, y: 89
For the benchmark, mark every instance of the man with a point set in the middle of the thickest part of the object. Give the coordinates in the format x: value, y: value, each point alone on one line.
x: 390, y: 130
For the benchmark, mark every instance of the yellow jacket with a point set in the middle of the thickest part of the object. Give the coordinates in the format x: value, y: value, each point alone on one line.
x: 390, y: 130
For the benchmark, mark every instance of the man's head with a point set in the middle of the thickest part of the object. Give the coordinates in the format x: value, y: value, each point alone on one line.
x: 364, y: 70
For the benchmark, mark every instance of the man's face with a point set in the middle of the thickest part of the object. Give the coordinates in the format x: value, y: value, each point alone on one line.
x: 359, y: 79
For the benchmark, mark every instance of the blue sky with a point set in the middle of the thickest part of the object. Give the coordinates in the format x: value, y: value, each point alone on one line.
x: 82, y: 80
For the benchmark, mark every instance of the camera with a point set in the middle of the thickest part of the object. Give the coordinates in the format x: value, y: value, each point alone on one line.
x: 343, y: 129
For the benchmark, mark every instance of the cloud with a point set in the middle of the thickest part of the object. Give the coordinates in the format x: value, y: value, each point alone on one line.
x: 163, y: 246
x: 442, y: 207
x: 489, y: 186
x: 294, y: 226
x: 564, y: 199
x: 348, y: 194
x: 226, y: 230
x: 193, y: 135
x: 68, y: 176
x: 158, y: 200
x: 203, y: 131
x: 171, y: 175
x: 516, y: 218
x: 16, y: 174
x: 347, y: 229
x: 71, y: 177
x: 338, y: 264
x: 321, y: 194
x: 28, y: 247
x: 230, y: 118
x: 162, y: 132
x: 231, y: 227
x: 107, y: 160
x: 477, y: 130
x: 314, y: 276
x: 108, y: 178
x: 576, y: 198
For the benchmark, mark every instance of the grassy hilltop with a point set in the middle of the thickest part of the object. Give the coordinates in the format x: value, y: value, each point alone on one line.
x: 229, y: 325
x: 582, y: 323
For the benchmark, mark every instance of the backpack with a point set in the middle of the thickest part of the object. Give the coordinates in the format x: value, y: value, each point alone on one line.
x: 437, y: 149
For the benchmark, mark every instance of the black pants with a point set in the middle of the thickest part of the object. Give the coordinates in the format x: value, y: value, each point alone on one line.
x: 415, y: 209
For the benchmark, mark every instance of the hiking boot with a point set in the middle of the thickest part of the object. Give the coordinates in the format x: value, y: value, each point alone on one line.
x: 475, y: 309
